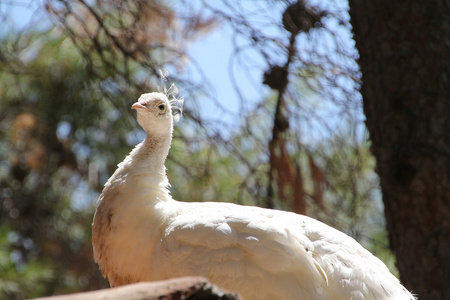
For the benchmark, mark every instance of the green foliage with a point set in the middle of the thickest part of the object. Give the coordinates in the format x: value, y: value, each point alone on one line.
x: 50, y: 114
x: 20, y: 279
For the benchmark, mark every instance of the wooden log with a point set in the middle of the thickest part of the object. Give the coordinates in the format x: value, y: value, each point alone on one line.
x: 189, y: 288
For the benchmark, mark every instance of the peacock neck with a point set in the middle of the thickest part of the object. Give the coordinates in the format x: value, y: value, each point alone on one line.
x: 146, y: 161
x: 154, y: 150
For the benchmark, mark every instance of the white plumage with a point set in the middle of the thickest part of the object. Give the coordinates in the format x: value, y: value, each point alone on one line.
x: 141, y: 234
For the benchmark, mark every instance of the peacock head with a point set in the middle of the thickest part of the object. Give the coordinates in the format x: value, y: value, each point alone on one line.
x: 156, y: 114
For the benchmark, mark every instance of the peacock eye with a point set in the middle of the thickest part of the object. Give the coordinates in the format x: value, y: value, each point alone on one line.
x: 161, y: 107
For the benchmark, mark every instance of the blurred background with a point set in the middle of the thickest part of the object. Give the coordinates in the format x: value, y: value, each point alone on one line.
x: 272, y: 118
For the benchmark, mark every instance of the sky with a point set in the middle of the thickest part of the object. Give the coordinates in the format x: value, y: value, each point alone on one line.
x: 215, y: 55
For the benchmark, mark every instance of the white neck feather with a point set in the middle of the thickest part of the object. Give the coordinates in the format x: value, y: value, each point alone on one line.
x: 144, y: 166
x: 151, y: 154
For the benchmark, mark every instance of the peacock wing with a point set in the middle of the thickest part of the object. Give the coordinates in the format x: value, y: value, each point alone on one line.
x: 245, y: 249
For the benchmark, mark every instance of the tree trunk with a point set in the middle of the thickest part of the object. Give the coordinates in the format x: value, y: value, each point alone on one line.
x: 404, y: 51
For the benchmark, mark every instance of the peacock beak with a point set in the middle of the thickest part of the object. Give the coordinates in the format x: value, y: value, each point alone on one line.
x: 137, y: 105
